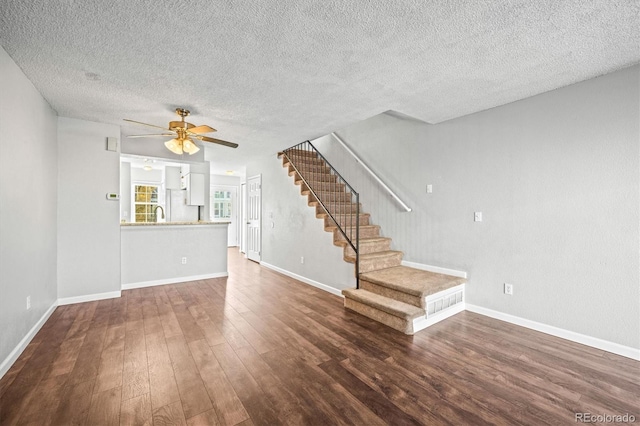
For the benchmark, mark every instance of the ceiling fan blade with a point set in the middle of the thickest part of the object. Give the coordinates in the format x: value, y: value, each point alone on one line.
x: 218, y: 141
x: 202, y: 129
x: 145, y: 124
x: 151, y: 136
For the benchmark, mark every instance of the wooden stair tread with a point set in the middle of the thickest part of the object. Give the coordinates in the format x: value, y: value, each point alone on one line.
x: 385, y: 304
x: 412, y: 281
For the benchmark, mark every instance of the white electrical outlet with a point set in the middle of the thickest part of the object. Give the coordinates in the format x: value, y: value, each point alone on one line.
x: 28, y: 302
x: 301, y: 259
x: 508, y: 289
x: 429, y: 189
x: 477, y: 217
x: 184, y: 260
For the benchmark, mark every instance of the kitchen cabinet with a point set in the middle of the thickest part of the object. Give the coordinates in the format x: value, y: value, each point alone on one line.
x: 172, y: 177
x: 195, y: 189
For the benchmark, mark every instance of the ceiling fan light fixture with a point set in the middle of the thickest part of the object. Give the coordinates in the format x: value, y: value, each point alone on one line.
x: 175, y: 146
x: 189, y: 147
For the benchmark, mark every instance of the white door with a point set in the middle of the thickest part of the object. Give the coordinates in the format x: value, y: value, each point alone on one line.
x: 253, y: 217
x: 243, y: 220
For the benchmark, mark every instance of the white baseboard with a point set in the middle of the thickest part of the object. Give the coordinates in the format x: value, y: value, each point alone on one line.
x: 594, y: 342
x: 15, y: 353
x: 89, y: 298
x: 152, y: 283
x: 436, y: 269
x: 305, y: 280
x: 423, y: 322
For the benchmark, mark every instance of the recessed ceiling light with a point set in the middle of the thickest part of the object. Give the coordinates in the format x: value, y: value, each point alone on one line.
x: 147, y: 168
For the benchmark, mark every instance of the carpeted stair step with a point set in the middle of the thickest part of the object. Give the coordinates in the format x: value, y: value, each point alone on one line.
x: 348, y: 220
x: 304, y: 161
x: 296, y: 153
x: 322, y: 186
x: 366, y: 231
x: 322, y: 168
x: 330, y: 196
x: 407, y: 284
x: 367, y: 245
x: 338, y: 207
x: 393, y: 313
x: 377, y: 260
x: 312, y: 178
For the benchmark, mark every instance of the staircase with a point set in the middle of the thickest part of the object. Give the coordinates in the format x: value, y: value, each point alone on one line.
x: 403, y: 298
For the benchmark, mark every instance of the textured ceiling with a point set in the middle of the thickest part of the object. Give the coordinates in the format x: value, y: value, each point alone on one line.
x: 268, y: 74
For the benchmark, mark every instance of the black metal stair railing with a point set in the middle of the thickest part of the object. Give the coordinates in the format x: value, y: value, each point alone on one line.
x: 333, y: 193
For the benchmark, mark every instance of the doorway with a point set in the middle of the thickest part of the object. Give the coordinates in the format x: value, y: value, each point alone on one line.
x: 254, y: 207
x: 224, y: 208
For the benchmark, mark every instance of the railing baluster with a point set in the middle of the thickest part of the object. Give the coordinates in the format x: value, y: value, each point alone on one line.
x: 338, y: 207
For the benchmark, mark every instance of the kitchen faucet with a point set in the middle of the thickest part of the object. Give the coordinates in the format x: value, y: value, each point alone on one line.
x: 155, y: 211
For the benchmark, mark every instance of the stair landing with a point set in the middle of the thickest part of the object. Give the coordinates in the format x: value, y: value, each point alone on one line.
x: 406, y: 299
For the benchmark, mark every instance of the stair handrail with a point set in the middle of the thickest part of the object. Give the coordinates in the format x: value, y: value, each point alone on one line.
x: 353, y: 242
x: 371, y: 172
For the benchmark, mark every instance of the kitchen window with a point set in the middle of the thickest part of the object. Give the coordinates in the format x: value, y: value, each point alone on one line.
x: 145, y: 202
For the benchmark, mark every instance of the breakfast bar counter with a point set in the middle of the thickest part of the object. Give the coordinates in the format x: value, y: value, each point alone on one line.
x: 170, y: 252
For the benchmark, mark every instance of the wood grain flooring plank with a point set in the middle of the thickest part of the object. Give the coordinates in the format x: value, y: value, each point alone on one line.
x: 136, y: 411
x: 249, y: 392
x: 135, y: 372
x: 105, y: 408
x: 173, y: 295
x: 162, y: 382
x: 209, y: 330
x: 222, y: 394
x: 162, y: 300
x: 74, y: 404
x: 169, y: 415
x: 208, y: 418
x: 375, y: 401
x: 327, y: 395
x: 252, y: 336
x: 133, y: 307
x: 291, y: 410
x: 44, y: 401
x: 7, y: 380
x: 110, y: 370
x: 193, y: 394
x: 188, y: 324
x: 170, y: 324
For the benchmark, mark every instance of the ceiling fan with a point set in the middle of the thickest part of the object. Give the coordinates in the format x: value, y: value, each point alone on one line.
x: 182, y: 133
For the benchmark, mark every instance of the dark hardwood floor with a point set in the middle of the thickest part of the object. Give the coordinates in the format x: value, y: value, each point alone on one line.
x: 261, y: 348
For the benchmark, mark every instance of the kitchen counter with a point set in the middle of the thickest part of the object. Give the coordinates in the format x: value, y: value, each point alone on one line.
x: 201, y: 222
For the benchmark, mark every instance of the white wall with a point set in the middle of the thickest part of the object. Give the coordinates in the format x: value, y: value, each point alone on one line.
x: 153, y: 254
x: 28, y: 193
x: 290, y: 230
x: 88, y: 223
x: 556, y: 177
